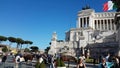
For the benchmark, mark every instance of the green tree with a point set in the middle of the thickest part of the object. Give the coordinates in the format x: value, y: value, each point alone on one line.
x: 60, y: 62
x: 28, y: 43
x: 47, y: 49
x: 19, y: 42
x: 34, y: 48
x: 5, y: 49
x: 11, y: 40
x: 3, y: 38
x: 27, y: 50
x: 40, y: 65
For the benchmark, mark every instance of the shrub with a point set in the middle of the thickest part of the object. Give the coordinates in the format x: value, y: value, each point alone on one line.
x: 4, y: 49
x: 40, y: 65
x: 89, y: 60
x: 60, y: 63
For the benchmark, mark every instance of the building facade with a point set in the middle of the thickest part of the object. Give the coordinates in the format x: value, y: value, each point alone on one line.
x: 91, y: 28
x: 117, y: 22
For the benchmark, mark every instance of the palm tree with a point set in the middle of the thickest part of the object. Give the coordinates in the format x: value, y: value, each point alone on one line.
x: 3, y: 38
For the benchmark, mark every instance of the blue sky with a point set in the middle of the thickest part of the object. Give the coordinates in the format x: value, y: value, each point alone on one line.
x: 36, y: 20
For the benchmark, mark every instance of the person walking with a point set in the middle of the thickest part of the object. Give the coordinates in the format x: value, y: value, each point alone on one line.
x: 40, y: 63
x: 116, y: 62
x: 108, y: 58
x: 105, y: 64
x: 81, y: 64
x: 4, y: 59
x: 17, y: 61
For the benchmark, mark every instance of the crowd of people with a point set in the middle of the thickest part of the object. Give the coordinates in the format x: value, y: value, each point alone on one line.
x: 50, y: 61
x: 28, y: 59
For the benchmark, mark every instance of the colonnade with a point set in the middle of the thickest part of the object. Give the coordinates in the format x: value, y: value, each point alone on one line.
x: 99, y: 24
x: 106, y: 24
x: 83, y: 22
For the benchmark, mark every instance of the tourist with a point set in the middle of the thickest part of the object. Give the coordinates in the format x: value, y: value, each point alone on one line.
x: 50, y: 61
x: 94, y: 61
x: 81, y: 64
x: 17, y: 60
x: 116, y: 62
x: 0, y: 60
x: 105, y: 64
x: 108, y: 58
x: 4, y: 59
x: 40, y: 63
x: 83, y: 57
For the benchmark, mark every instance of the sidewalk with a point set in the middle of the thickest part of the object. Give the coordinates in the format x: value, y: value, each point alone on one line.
x: 88, y: 65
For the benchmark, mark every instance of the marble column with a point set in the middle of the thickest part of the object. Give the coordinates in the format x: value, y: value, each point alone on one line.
x: 110, y: 24
x: 97, y: 24
x: 107, y: 24
x: 79, y: 23
x: 114, y: 26
x: 103, y: 24
x: 82, y: 22
x: 86, y: 22
x: 100, y: 25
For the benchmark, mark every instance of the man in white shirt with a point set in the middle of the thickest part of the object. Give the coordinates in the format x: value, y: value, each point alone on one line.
x: 17, y: 60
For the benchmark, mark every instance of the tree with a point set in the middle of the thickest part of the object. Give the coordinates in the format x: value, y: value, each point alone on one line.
x: 60, y: 63
x: 26, y: 50
x: 19, y: 42
x: 47, y: 49
x: 28, y: 42
x: 34, y: 48
x: 5, y: 49
x: 3, y: 38
x: 11, y: 40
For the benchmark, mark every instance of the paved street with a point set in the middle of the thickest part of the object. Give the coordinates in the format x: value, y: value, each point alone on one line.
x: 7, y: 65
x: 10, y: 64
x: 88, y: 65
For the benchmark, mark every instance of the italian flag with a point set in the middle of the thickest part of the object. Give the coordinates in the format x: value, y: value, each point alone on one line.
x: 108, y: 6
